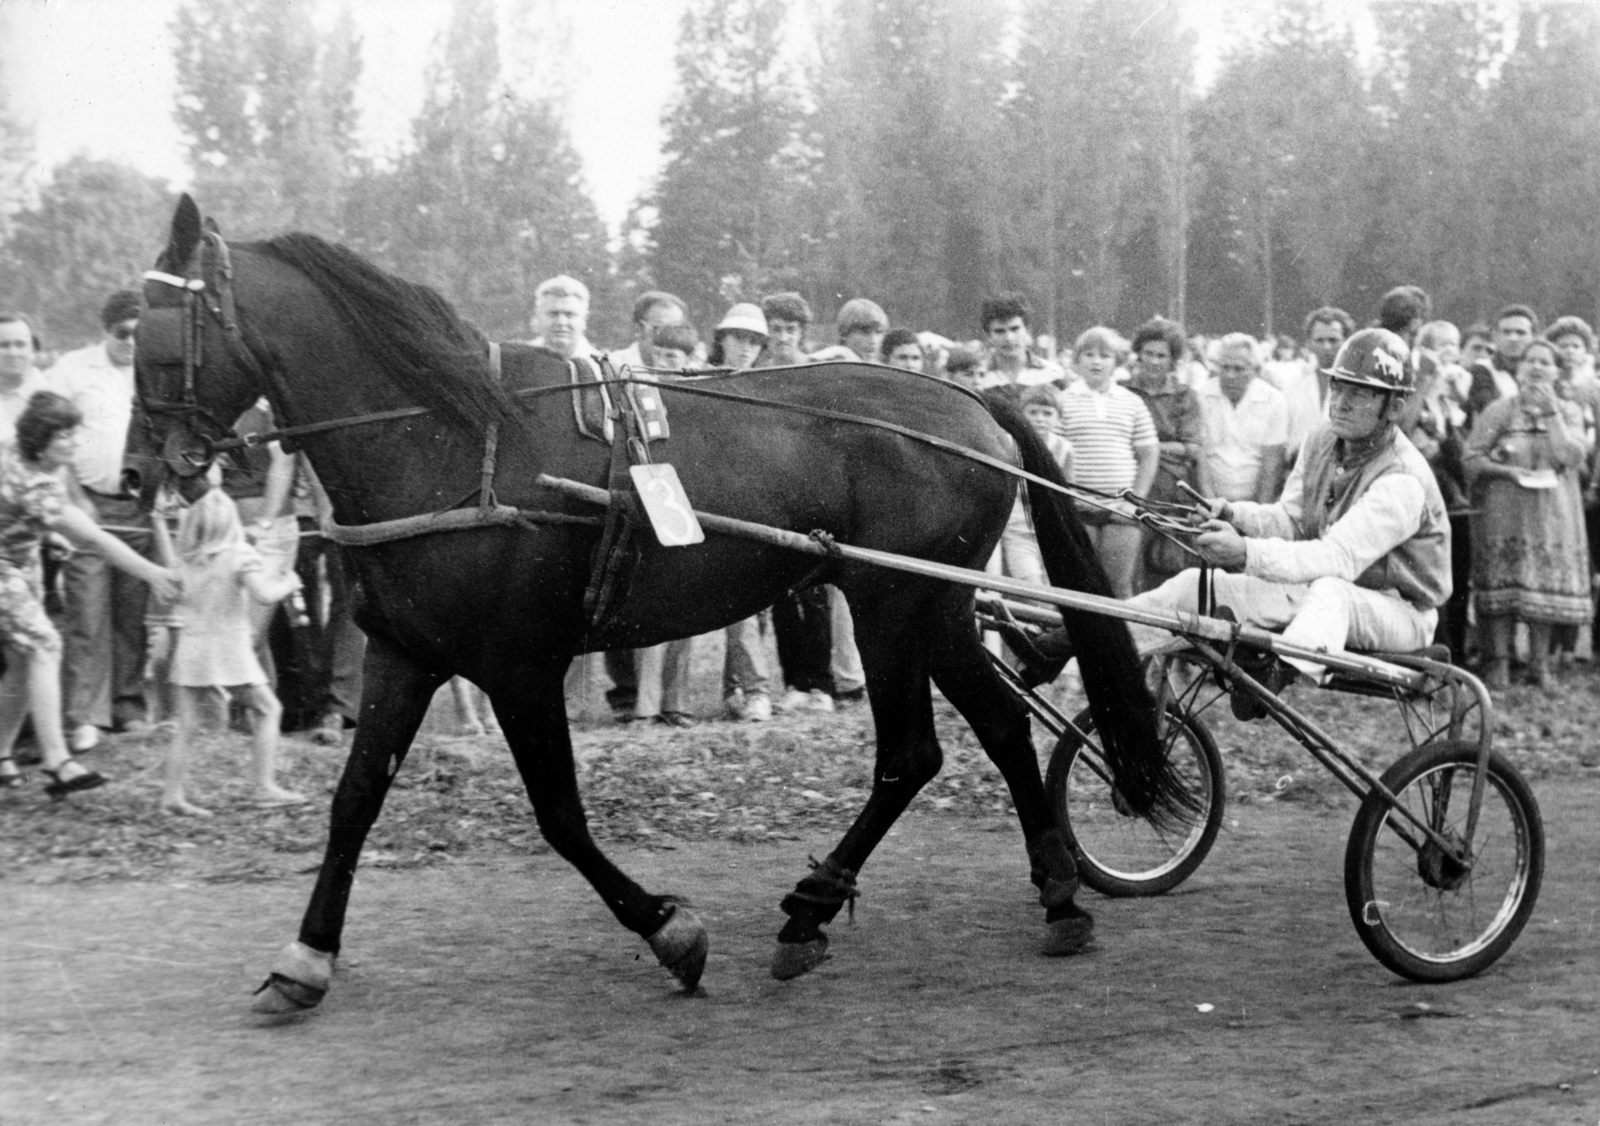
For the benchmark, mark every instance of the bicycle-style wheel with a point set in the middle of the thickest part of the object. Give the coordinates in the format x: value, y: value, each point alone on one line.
x: 1421, y: 910
x: 1118, y: 852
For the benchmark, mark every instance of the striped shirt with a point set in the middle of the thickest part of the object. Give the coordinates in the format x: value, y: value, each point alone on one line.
x: 1105, y: 428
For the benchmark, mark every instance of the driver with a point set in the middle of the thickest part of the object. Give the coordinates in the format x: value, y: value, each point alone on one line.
x: 1357, y: 551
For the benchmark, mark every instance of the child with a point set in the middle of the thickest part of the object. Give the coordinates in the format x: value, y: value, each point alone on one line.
x: 214, y: 648
x: 1019, y: 546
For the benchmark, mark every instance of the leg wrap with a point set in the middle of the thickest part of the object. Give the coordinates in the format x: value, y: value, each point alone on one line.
x: 1054, y: 873
x: 829, y: 887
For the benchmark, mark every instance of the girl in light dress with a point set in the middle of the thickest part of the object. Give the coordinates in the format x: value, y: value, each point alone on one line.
x: 214, y: 649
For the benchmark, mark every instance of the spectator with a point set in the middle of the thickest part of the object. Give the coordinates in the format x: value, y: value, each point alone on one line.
x: 223, y: 577
x: 1435, y: 422
x: 1018, y: 554
x: 33, y: 502
x: 788, y: 316
x: 651, y: 311
x: 561, y: 317
x: 1114, y: 447
x: 1496, y: 378
x: 1306, y: 387
x: 663, y: 670
x: 1577, y: 384
x: 19, y: 378
x: 103, y: 628
x: 1530, y: 559
x: 1175, y: 410
x: 1245, y: 422
x: 862, y: 324
x: 1476, y: 344
x: 800, y: 621
x: 901, y: 349
x: 736, y: 344
x: 1011, y: 359
x: 1403, y: 311
x: 964, y: 366
x: 336, y: 644
x: 1442, y: 340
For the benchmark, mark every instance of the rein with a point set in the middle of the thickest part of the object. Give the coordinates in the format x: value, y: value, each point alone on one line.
x: 197, y: 295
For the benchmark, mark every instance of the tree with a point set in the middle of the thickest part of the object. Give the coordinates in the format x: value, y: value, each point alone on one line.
x: 490, y: 200
x: 16, y: 160
x: 267, y: 106
x: 91, y: 232
x: 729, y: 203
x: 1286, y: 142
x: 907, y: 95
x: 1100, y: 142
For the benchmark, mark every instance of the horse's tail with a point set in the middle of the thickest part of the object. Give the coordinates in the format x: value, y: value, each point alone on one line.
x: 1124, y: 712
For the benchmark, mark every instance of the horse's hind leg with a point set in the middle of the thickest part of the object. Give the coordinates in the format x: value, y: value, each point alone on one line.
x: 895, y: 659
x: 534, y: 722
x: 962, y: 670
x: 393, y: 706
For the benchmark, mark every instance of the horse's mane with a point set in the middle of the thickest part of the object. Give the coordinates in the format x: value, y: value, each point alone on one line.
x: 439, y: 359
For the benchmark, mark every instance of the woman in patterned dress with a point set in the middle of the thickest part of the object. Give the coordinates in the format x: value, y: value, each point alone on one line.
x: 32, y: 503
x: 1530, y: 558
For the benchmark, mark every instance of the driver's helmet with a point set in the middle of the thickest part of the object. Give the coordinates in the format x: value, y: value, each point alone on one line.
x: 1376, y: 358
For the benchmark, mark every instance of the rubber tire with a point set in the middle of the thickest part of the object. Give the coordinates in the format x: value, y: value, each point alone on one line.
x: 1503, y: 785
x: 1069, y: 755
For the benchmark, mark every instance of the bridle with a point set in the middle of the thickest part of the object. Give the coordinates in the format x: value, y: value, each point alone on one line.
x: 199, y: 300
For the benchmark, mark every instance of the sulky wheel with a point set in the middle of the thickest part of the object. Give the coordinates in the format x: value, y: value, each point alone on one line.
x: 1434, y: 913
x: 1119, y: 853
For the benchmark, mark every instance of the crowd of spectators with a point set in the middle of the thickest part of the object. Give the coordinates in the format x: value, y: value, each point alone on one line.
x: 1505, y: 414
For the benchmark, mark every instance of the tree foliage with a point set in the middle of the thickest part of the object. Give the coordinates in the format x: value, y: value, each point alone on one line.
x: 94, y: 230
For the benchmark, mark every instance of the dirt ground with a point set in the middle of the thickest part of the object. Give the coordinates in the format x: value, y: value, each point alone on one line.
x: 495, y: 988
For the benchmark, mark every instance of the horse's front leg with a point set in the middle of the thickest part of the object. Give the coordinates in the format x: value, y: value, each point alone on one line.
x: 895, y: 660
x: 534, y: 722
x: 395, y: 697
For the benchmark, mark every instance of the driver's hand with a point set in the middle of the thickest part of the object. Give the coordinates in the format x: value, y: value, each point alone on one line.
x: 1221, y: 545
x: 1215, y: 509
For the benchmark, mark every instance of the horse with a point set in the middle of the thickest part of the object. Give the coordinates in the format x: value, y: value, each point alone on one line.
x: 397, y: 402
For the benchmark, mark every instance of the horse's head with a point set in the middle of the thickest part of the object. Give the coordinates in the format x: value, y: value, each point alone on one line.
x: 194, y: 372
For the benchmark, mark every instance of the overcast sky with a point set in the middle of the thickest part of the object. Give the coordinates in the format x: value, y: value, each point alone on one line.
x: 97, y: 76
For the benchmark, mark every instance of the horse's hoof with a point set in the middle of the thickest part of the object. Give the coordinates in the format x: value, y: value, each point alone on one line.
x: 791, y: 959
x: 299, y: 980
x: 681, y: 945
x: 1066, y: 937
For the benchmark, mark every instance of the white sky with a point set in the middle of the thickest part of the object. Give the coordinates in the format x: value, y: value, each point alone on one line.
x: 97, y: 76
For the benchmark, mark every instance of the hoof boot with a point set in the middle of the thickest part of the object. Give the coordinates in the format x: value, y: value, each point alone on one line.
x: 681, y: 945
x: 791, y: 959
x: 299, y: 980
x: 1066, y: 937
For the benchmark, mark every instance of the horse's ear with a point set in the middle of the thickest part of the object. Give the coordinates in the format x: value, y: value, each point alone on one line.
x: 185, y: 234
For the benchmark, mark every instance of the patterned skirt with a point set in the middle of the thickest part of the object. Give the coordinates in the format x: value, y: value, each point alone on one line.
x: 1530, y: 554
x: 23, y: 622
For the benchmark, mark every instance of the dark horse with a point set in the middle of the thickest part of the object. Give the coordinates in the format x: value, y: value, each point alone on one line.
x: 326, y: 336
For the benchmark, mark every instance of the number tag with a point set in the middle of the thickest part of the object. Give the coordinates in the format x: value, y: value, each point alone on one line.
x: 667, y: 505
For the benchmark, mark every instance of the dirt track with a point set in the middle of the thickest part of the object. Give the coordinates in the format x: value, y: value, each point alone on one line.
x: 500, y: 991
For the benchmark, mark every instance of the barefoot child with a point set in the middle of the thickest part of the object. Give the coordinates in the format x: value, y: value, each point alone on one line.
x: 221, y: 572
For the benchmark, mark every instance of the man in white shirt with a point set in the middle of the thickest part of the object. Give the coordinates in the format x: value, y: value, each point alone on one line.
x: 654, y: 309
x: 1306, y: 389
x: 19, y: 379
x: 561, y: 317
x: 104, y: 634
x: 1244, y: 424
x: 1011, y: 356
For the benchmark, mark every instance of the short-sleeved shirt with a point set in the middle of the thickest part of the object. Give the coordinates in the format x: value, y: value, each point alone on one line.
x: 1237, y: 436
x: 1106, y: 428
x: 30, y: 500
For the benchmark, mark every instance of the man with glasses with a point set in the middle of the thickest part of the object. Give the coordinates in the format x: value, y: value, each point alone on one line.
x: 104, y: 628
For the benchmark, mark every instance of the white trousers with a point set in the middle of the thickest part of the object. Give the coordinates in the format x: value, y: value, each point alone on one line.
x: 1329, y: 614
